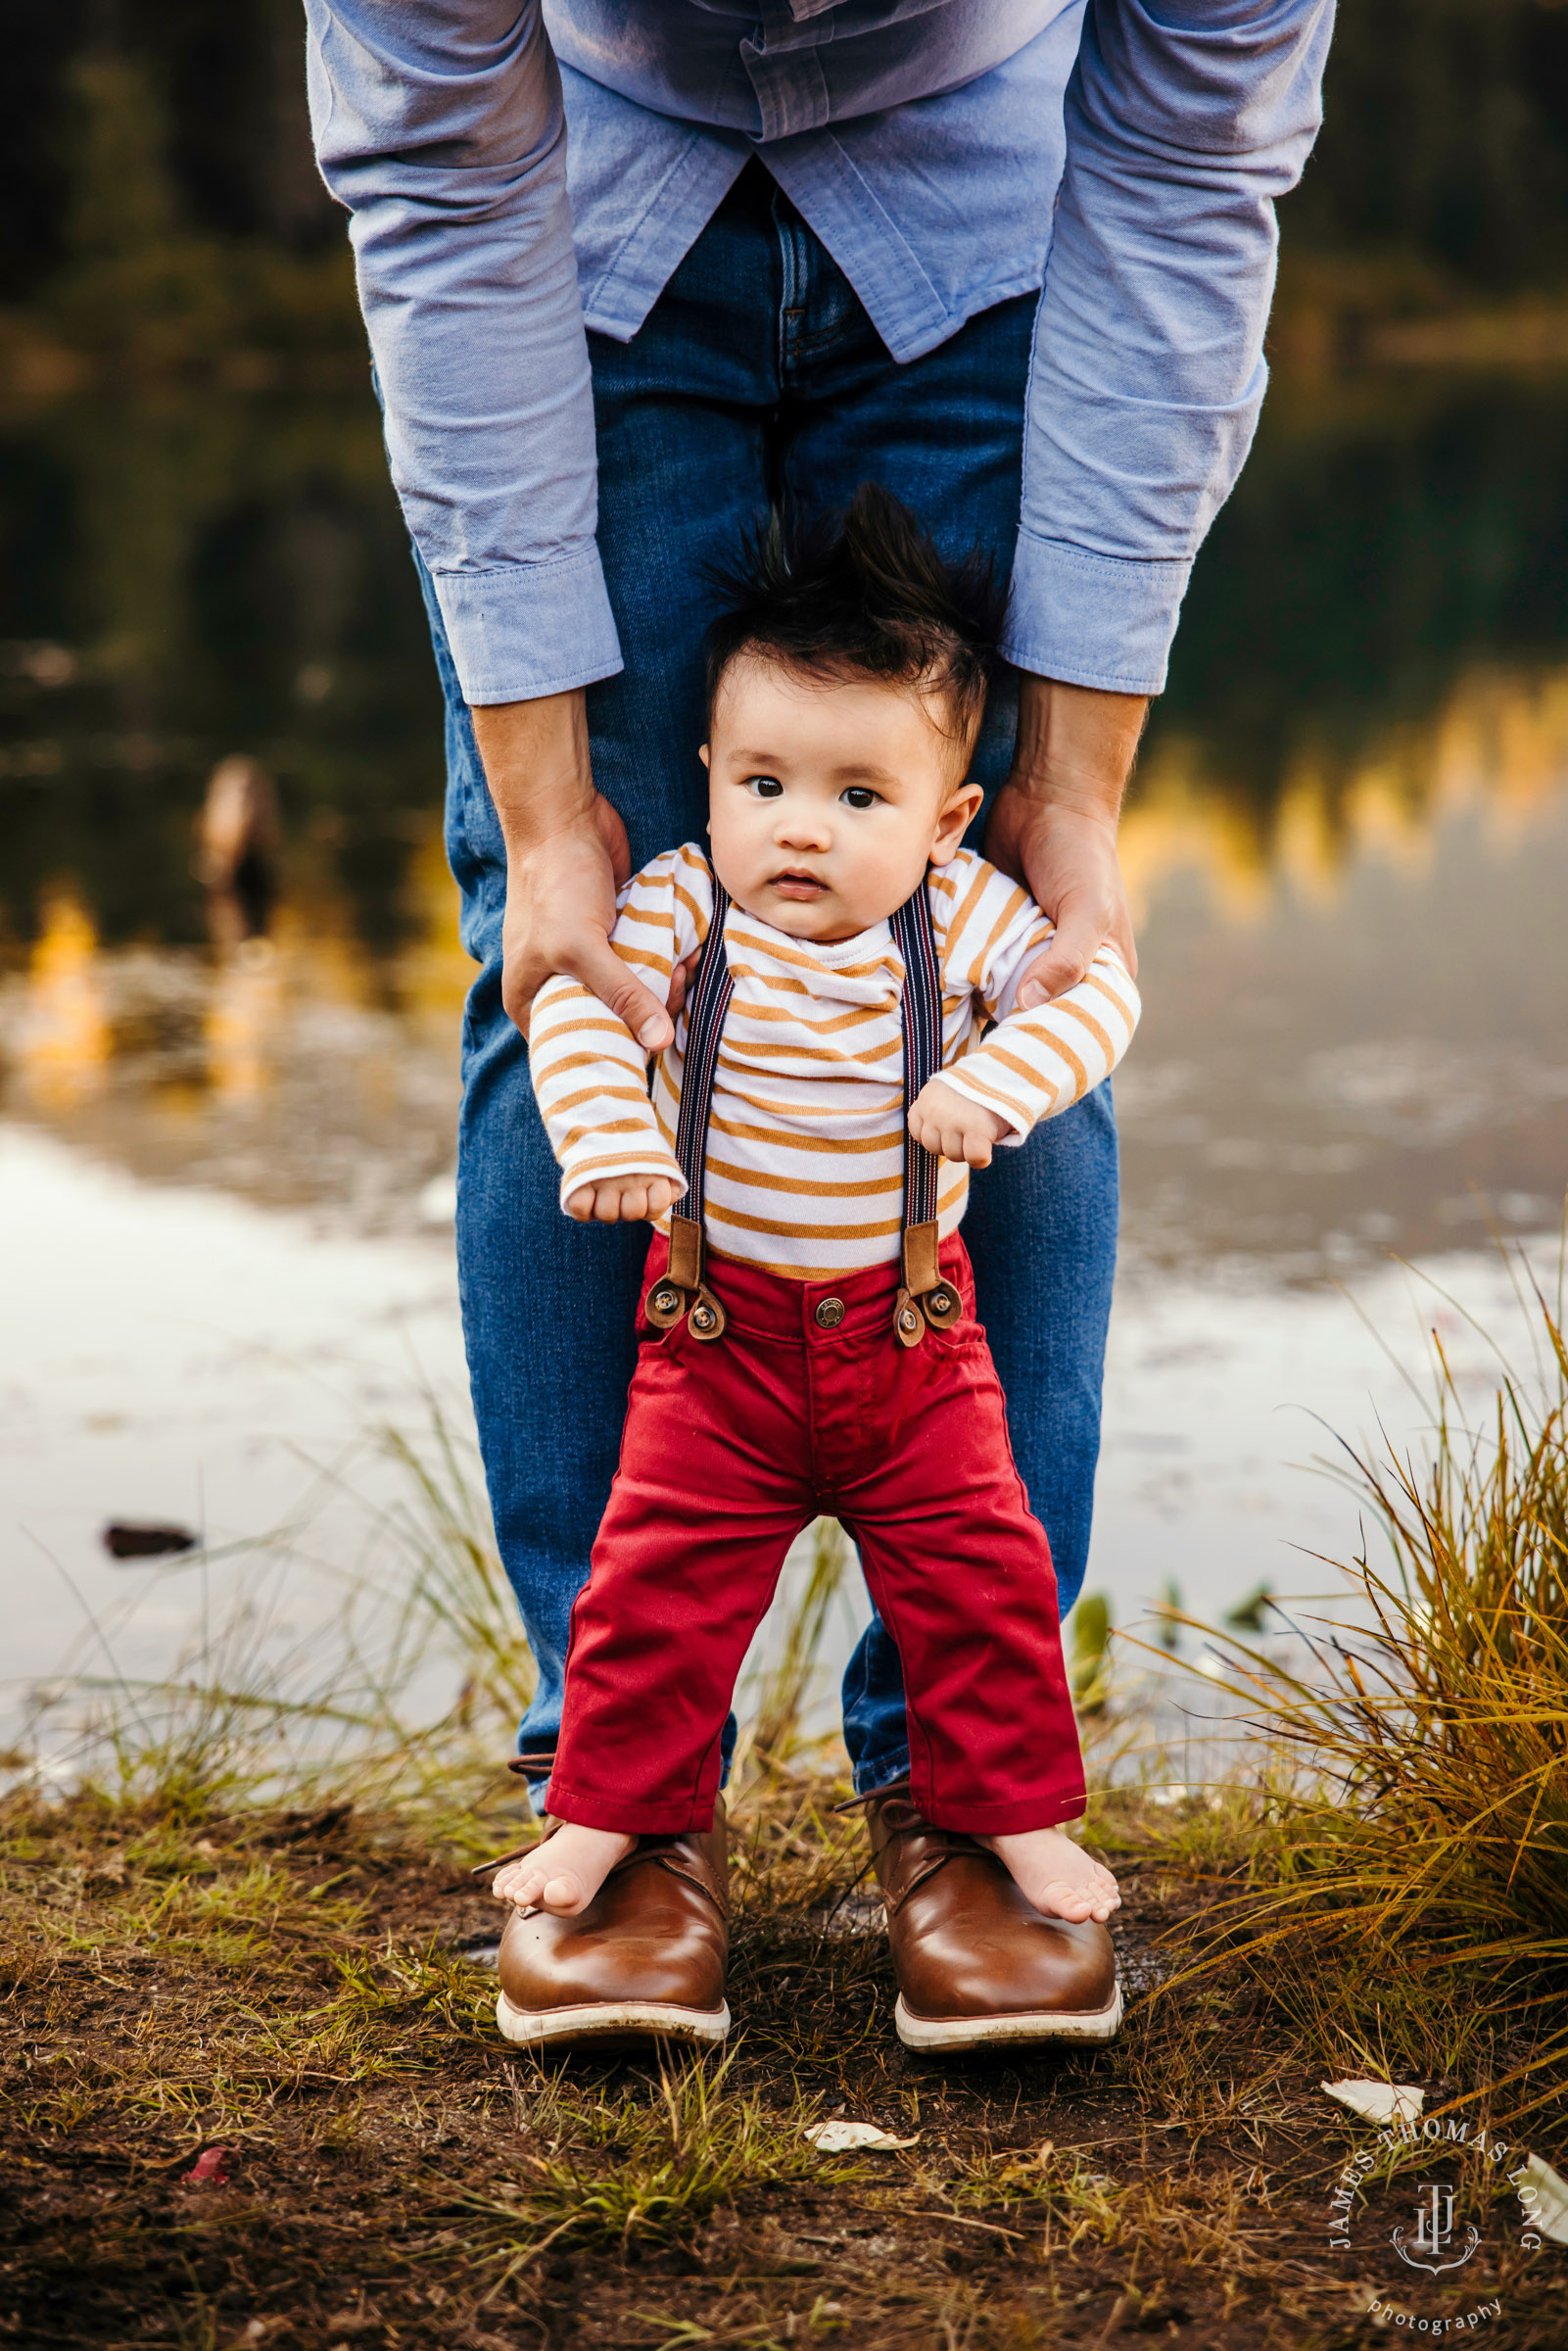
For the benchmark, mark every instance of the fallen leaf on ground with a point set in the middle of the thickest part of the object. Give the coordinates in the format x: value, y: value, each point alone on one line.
x: 210, y: 2170
x: 1377, y: 2102
x: 1548, y: 2207
x: 836, y: 2138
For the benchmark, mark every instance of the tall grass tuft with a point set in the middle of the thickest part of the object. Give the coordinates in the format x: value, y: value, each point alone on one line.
x: 406, y: 1699
x: 1431, y: 1813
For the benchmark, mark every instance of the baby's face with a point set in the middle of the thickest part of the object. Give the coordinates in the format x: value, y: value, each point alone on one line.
x: 827, y: 801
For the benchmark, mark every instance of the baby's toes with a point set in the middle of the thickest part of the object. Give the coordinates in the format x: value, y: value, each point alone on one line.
x: 1068, y: 1902
x: 563, y: 1895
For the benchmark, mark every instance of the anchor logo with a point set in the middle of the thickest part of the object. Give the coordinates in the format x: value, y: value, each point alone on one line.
x: 1434, y: 2234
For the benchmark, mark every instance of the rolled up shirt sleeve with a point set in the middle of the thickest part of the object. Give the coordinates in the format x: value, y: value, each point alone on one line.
x: 1185, y: 121
x: 439, y: 126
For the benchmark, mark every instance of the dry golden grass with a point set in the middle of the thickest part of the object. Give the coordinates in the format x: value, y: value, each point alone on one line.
x: 1414, y: 1823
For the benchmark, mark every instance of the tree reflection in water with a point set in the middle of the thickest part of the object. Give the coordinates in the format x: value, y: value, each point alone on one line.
x: 1374, y: 652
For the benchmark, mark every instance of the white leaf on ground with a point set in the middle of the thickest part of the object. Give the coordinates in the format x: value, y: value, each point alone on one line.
x: 1547, y: 2209
x: 837, y: 2137
x: 1377, y: 2102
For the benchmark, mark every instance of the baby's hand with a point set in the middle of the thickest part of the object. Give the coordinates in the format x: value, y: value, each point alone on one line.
x: 621, y: 1200
x: 952, y: 1127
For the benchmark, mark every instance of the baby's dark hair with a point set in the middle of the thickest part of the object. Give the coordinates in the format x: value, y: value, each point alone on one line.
x: 863, y: 593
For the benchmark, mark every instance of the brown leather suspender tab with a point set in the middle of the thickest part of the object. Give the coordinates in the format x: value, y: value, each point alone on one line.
x: 685, y: 1269
x: 922, y: 1273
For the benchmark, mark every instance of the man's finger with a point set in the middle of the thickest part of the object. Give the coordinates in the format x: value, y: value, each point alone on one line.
x: 600, y: 969
x: 1064, y: 963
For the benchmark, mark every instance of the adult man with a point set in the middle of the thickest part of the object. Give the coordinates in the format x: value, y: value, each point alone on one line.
x: 1012, y: 258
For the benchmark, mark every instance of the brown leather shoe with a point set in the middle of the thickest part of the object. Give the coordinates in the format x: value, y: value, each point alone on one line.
x: 977, y: 1964
x: 644, y: 1962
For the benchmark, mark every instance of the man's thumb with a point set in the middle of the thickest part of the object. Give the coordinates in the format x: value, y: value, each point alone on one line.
x: 1060, y: 967
x: 624, y: 994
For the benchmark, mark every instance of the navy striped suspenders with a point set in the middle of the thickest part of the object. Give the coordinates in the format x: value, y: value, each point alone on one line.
x: 926, y: 1296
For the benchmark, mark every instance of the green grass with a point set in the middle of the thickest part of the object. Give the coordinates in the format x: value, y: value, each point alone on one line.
x: 617, y: 2173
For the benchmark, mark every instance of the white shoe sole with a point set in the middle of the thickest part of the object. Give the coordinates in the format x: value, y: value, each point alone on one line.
x: 993, y: 2032
x: 612, y: 2020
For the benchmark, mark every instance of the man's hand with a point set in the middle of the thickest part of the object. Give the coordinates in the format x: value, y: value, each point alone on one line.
x: 566, y: 856
x: 951, y: 1127
x: 1053, y: 825
x: 621, y: 1200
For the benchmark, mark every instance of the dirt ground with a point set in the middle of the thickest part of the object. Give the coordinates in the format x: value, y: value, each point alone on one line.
x: 308, y: 1995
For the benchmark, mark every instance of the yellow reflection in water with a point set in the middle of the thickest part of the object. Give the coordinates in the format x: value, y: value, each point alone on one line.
x: 1498, y: 747
x: 64, y: 1041
x: 436, y: 975
x: 244, y: 1019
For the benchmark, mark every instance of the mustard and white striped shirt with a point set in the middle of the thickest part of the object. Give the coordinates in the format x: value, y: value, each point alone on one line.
x: 805, y: 1166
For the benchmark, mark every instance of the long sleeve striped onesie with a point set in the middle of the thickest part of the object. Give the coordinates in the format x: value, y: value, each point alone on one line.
x: 805, y: 1153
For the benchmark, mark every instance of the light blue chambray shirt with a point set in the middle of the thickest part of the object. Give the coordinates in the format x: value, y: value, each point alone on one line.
x: 513, y: 171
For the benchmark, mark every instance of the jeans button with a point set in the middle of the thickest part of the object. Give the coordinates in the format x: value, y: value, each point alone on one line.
x: 829, y: 1314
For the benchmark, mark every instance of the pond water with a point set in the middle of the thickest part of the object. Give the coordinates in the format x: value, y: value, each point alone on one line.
x: 225, y: 1163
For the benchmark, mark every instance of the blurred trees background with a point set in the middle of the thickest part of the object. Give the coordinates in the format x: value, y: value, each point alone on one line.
x: 156, y: 170
x: 200, y: 552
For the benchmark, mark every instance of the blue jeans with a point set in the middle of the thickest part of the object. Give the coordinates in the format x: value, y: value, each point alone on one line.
x: 757, y: 375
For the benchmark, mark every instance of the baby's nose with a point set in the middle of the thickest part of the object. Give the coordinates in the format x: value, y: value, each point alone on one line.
x: 801, y: 829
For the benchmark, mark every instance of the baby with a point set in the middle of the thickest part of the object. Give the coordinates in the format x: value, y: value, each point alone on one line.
x: 849, y: 1048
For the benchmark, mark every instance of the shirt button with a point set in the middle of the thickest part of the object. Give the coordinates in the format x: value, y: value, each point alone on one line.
x: 829, y: 1314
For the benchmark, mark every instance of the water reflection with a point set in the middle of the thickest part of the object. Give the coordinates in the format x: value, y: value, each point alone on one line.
x: 1347, y: 839
x: 1349, y: 842
x: 191, y: 577
x: 63, y: 1040
x: 1496, y: 743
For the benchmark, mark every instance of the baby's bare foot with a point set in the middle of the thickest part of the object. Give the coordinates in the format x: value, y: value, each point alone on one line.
x: 1057, y: 1876
x: 565, y: 1872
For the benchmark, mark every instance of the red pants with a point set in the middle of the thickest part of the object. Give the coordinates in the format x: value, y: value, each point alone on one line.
x: 731, y: 1447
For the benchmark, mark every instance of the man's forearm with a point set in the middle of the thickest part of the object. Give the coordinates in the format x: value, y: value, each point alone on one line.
x: 537, y: 765
x: 1077, y: 746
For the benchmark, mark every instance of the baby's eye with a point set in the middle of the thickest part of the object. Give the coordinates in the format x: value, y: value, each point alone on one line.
x: 860, y: 796
x: 766, y: 787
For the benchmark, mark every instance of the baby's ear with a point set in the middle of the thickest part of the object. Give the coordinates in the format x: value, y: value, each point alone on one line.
x: 957, y: 815
x: 702, y: 754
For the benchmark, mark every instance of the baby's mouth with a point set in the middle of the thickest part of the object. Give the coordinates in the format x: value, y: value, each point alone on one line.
x: 795, y: 882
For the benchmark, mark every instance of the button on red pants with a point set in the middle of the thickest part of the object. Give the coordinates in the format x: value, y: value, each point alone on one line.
x: 732, y: 1447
